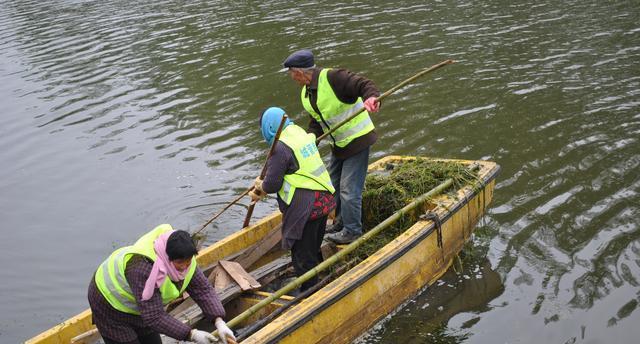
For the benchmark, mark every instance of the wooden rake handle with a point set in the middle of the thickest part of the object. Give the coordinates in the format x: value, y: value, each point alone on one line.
x: 264, y: 167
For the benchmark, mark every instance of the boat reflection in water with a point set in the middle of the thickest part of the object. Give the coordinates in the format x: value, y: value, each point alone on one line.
x: 425, y: 318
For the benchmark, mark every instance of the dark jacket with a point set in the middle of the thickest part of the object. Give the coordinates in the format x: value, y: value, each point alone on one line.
x: 297, y: 213
x: 124, y: 327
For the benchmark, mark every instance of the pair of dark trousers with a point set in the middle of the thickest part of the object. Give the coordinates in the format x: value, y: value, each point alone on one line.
x: 305, y: 253
x: 153, y: 338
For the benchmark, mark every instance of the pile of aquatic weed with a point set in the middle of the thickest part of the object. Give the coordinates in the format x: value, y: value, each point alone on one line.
x: 386, y: 193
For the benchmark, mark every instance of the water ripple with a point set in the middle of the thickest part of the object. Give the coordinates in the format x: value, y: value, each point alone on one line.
x: 149, y: 110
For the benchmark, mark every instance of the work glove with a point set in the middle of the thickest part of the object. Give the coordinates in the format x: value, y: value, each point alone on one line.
x: 372, y: 104
x: 257, y: 184
x: 256, y: 195
x: 202, y: 337
x: 223, y: 330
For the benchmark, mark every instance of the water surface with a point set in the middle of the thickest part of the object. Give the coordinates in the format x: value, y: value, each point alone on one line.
x: 117, y: 116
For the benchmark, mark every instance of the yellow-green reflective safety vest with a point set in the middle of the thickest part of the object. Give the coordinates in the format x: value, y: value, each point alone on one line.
x: 111, y: 281
x: 312, y: 174
x: 333, y: 111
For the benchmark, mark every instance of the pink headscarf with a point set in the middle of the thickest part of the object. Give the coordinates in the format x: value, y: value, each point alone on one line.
x: 161, y: 267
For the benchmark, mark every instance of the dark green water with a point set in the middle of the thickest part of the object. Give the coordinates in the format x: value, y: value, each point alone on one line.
x: 117, y: 116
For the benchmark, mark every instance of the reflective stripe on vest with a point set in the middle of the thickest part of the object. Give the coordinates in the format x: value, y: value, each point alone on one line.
x: 333, y: 111
x: 112, y: 283
x: 311, y: 174
x: 120, y: 290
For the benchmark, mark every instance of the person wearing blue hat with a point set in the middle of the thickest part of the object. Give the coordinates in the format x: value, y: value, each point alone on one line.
x: 330, y: 96
x: 297, y: 174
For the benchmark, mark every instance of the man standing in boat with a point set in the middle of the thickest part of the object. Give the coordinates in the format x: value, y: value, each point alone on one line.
x: 305, y: 193
x: 330, y: 96
x: 130, y: 289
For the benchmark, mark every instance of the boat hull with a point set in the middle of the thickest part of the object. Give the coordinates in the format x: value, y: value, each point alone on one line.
x: 348, y: 306
x: 344, y: 309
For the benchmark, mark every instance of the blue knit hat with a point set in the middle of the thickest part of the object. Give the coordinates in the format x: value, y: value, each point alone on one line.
x: 270, y: 121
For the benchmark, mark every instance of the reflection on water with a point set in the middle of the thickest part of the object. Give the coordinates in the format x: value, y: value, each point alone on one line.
x: 458, y: 297
x: 117, y: 116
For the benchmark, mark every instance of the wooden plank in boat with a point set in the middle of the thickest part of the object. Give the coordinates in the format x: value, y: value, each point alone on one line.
x: 242, y: 278
x: 90, y: 336
x: 189, y: 313
x: 220, y: 278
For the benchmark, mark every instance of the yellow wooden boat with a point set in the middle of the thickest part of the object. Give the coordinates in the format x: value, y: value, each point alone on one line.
x: 350, y: 304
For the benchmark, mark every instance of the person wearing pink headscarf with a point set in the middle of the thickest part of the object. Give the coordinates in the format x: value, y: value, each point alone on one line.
x: 130, y: 289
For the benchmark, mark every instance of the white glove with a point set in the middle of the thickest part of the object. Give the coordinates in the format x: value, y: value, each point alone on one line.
x: 258, y: 184
x: 256, y: 195
x: 223, y: 330
x: 202, y: 337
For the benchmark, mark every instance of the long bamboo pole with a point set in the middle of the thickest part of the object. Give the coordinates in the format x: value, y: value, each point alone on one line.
x: 382, y: 97
x: 340, y: 255
x: 248, y: 331
x: 222, y: 211
x: 386, y: 94
x: 263, y: 172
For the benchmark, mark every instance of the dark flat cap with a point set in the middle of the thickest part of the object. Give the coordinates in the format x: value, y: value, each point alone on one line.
x: 299, y: 59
